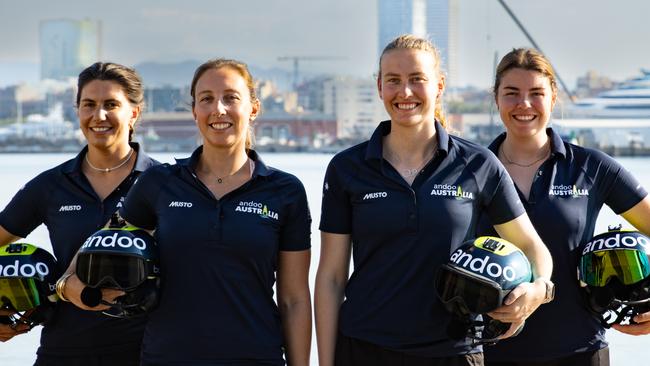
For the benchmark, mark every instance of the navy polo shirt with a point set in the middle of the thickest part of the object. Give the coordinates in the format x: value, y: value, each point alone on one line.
x: 401, y: 235
x: 63, y: 200
x: 218, y: 261
x: 566, y: 196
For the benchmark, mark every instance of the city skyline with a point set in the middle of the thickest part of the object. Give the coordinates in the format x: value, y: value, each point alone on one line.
x: 578, y: 36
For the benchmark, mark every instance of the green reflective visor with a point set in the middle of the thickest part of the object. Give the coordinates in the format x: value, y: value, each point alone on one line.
x: 628, y: 266
x: 19, y: 294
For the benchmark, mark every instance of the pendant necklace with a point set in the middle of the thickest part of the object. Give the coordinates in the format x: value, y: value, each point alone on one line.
x: 510, y: 162
x: 408, y: 173
x: 220, y: 179
x: 108, y: 170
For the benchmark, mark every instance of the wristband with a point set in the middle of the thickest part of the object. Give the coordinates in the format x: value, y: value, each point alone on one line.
x: 60, y: 286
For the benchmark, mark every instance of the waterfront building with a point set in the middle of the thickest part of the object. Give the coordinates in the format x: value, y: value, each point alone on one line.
x: 68, y: 46
x: 355, y: 104
x: 166, y: 99
x: 273, y: 130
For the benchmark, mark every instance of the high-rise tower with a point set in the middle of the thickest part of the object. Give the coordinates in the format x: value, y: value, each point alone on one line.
x: 433, y: 19
x: 68, y: 46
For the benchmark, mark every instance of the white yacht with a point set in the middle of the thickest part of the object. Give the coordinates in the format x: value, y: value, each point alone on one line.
x: 630, y: 100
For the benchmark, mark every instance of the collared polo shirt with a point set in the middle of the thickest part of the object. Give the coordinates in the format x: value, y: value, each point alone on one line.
x: 218, y: 262
x: 401, y: 235
x: 566, y: 195
x: 63, y: 200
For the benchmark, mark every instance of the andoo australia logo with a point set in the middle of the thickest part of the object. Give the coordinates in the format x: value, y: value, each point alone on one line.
x: 256, y: 208
x: 447, y: 190
x: 24, y: 270
x: 483, y: 265
x: 618, y: 241
x: 113, y: 240
x: 567, y: 191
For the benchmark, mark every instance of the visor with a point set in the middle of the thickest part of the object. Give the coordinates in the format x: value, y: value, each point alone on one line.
x: 111, y: 271
x: 627, y: 265
x: 456, y: 288
x: 19, y: 294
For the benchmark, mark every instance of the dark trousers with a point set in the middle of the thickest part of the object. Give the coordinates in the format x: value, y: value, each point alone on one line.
x: 593, y: 358
x: 353, y: 352
x: 121, y: 359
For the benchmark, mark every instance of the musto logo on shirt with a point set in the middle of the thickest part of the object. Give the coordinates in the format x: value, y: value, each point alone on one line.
x: 372, y: 196
x: 66, y: 208
x: 446, y: 190
x: 257, y: 209
x: 567, y: 191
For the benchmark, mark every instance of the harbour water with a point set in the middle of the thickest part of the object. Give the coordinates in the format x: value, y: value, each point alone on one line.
x: 17, y: 169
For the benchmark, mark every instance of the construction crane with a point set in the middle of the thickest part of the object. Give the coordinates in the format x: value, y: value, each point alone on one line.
x: 296, y: 64
x: 532, y: 41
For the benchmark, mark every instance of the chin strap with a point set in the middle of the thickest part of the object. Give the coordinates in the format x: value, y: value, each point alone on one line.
x: 485, y: 331
x: 135, y: 303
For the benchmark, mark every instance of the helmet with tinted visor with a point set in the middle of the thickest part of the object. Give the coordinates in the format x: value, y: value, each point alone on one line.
x: 614, y: 272
x: 123, y: 258
x: 27, y: 284
x: 475, y: 281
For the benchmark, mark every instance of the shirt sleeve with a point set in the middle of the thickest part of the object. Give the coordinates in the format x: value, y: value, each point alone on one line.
x: 139, y: 205
x: 619, y: 189
x: 502, y: 203
x: 296, y: 230
x: 26, y: 210
x: 336, y: 210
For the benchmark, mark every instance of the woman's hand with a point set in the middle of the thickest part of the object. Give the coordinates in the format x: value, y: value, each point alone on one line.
x: 641, y: 328
x: 8, y: 331
x: 520, y: 303
x: 74, y: 287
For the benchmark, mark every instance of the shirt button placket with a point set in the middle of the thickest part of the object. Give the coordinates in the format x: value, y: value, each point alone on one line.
x: 218, y: 222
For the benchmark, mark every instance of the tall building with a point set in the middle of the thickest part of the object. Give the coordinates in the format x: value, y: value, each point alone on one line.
x: 68, y: 46
x: 436, y: 20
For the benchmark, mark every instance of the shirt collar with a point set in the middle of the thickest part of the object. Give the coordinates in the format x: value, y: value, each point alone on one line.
x: 261, y: 169
x: 557, y: 145
x: 375, y: 146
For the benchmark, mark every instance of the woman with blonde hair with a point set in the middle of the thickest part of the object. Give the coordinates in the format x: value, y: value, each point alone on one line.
x: 382, y: 203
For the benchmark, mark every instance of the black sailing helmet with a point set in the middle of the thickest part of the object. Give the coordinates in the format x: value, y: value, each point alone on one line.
x: 121, y: 257
x: 27, y: 284
x: 476, y: 280
x: 614, y: 273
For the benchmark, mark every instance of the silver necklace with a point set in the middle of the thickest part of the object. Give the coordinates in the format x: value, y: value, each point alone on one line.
x: 220, y: 179
x: 503, y: 152
x: 108, y: 170
x: 412, y: 172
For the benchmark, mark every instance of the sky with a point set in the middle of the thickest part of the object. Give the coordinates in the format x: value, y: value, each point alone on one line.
x: 609, y: 37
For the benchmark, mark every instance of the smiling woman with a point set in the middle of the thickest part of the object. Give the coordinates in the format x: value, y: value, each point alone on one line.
x: 73, y: 200
x: 429, y: 187
x: 227, y: 226
x: 563, y: 187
